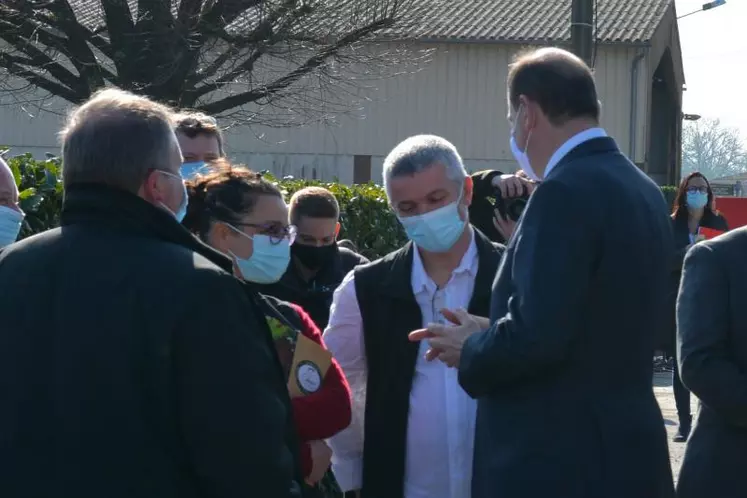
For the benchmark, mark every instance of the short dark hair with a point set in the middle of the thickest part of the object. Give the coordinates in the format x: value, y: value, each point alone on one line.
x: 561, y: 83
x: 313, y: 202
x: 197, y: 123
x: 224, y: 193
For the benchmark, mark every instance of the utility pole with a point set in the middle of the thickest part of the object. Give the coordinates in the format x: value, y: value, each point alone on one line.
x: 582, y: 29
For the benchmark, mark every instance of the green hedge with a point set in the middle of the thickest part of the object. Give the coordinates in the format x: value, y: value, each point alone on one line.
x: 365, y: 215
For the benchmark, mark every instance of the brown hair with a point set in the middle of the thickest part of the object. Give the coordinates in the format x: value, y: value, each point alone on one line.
x: 196, y: 123
x: 313, y: 202
x: 225, y: 193
x: 680, y: 200
x: 561, y: 83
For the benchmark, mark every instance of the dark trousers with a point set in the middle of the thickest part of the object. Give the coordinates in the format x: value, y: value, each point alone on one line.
x: 681, y: 395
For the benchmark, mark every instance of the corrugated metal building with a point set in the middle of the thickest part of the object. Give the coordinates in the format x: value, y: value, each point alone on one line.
x: 461, y: 93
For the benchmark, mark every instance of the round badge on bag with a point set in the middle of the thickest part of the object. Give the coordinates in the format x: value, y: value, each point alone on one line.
x: 308, y: 377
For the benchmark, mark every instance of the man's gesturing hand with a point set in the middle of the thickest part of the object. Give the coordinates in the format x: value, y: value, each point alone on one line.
x: 446, y: 341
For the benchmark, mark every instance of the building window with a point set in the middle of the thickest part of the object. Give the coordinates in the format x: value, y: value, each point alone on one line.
x: 361, y: 169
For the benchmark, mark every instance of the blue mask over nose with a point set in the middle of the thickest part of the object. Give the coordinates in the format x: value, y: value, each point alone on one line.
x: 438, y: 230
x: 10, y: 225
x: 697, y: 200
x: 193, y: 168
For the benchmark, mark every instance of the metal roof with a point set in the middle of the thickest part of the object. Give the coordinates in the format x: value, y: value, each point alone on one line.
x: 510, y: 21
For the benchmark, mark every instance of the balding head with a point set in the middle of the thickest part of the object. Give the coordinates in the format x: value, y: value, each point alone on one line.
x: 560, y: 83
x: 8, y: 189
x: 117, y: 138
x: 11, y: 215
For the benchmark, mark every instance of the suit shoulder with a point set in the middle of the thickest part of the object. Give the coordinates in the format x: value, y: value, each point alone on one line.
x: 732, y: 238
x: 351, y: 259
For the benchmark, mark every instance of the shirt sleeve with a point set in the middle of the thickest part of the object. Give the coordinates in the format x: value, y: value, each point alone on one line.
x: 344, y: 339
x: 326, y: 412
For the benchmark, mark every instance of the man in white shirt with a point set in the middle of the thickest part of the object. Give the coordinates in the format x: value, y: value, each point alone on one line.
x: 417, y: 439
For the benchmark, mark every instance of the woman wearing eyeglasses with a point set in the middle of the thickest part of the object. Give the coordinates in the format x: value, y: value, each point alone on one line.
x: 244, y: 216
x: 693, y: 209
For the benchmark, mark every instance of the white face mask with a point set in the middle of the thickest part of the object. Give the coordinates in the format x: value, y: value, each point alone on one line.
x: 521, y: 155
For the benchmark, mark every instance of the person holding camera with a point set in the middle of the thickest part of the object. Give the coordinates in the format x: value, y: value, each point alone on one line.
x: 498, y: 202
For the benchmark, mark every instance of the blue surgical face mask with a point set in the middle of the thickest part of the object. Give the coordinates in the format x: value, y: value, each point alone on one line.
x: 193, y: 168
x: 182, y: 211
x: 436, y: 231
x: 697, y: 200
x: 268, y: 261
x: 521, y: 155
x: 10, y: 225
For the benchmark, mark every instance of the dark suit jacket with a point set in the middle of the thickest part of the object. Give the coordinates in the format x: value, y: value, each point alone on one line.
x: 563, y: 376
x: 681, y: 245
x: 712, y: 343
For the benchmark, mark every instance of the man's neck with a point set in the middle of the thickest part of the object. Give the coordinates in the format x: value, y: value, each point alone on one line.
x: 559, y: 136
x: 440, y: 265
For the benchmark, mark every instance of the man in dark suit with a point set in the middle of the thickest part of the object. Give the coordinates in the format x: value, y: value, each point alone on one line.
x: 563, y: 372
x: 712, y: 347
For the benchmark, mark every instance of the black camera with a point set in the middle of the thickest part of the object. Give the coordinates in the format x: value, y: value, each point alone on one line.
x: 513, y: 207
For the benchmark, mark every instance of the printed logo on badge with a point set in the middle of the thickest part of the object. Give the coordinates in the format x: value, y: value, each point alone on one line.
x: 308, y: 377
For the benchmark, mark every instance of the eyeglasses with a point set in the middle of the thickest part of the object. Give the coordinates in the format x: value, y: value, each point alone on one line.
x: 277, y: 233
x: 702, y: 190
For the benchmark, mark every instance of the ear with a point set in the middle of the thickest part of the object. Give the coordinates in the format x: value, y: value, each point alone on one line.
x: 152, y: 188
x: 468, y: 191
x: 337, y: 229
x: 531, y: 114
x: 219, y: 237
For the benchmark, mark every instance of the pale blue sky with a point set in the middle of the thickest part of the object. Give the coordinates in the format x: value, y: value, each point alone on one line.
x: 714, y: 52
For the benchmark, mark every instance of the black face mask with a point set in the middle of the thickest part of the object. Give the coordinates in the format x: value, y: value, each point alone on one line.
x: 313, y: 257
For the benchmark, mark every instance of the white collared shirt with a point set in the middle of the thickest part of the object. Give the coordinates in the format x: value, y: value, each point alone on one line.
x: 441, y: 421
x: 571, y: 144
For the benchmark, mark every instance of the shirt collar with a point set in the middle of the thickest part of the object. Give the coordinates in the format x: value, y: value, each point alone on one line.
x: 420, y: 280
x: 571, y: 144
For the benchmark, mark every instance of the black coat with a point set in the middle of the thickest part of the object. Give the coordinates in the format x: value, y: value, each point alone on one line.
x: 681, y: 245
x: 133, y: 364
x: 712, y: 343
x: 563, y: 377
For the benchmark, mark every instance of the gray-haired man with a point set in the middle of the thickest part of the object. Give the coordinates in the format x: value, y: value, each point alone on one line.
x: 417, y: 438
x: 11, y: 215
x: 132, y: 362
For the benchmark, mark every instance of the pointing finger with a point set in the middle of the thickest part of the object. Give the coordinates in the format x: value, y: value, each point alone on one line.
x: 451, y: 316
x: 419, y: 335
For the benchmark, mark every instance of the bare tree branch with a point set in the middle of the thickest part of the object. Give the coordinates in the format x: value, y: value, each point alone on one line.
x: 713, y: 149
x: 276, y: 62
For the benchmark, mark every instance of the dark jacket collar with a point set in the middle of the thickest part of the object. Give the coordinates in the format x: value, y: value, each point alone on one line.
x: 398, y: 280
x: 595, y: 146
x: 122, y: 211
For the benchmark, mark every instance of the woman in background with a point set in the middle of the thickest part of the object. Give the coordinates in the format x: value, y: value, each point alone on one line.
x: 693, y: 209
x: 242, y: 215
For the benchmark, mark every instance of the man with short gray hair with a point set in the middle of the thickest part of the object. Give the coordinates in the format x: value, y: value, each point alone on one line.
x: 136, y: 364
x: 417, y: 438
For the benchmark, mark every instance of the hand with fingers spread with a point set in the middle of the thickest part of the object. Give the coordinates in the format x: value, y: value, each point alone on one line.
x: 446, y: 341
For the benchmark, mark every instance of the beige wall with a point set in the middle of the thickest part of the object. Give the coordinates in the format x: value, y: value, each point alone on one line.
x: 460, y: 95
